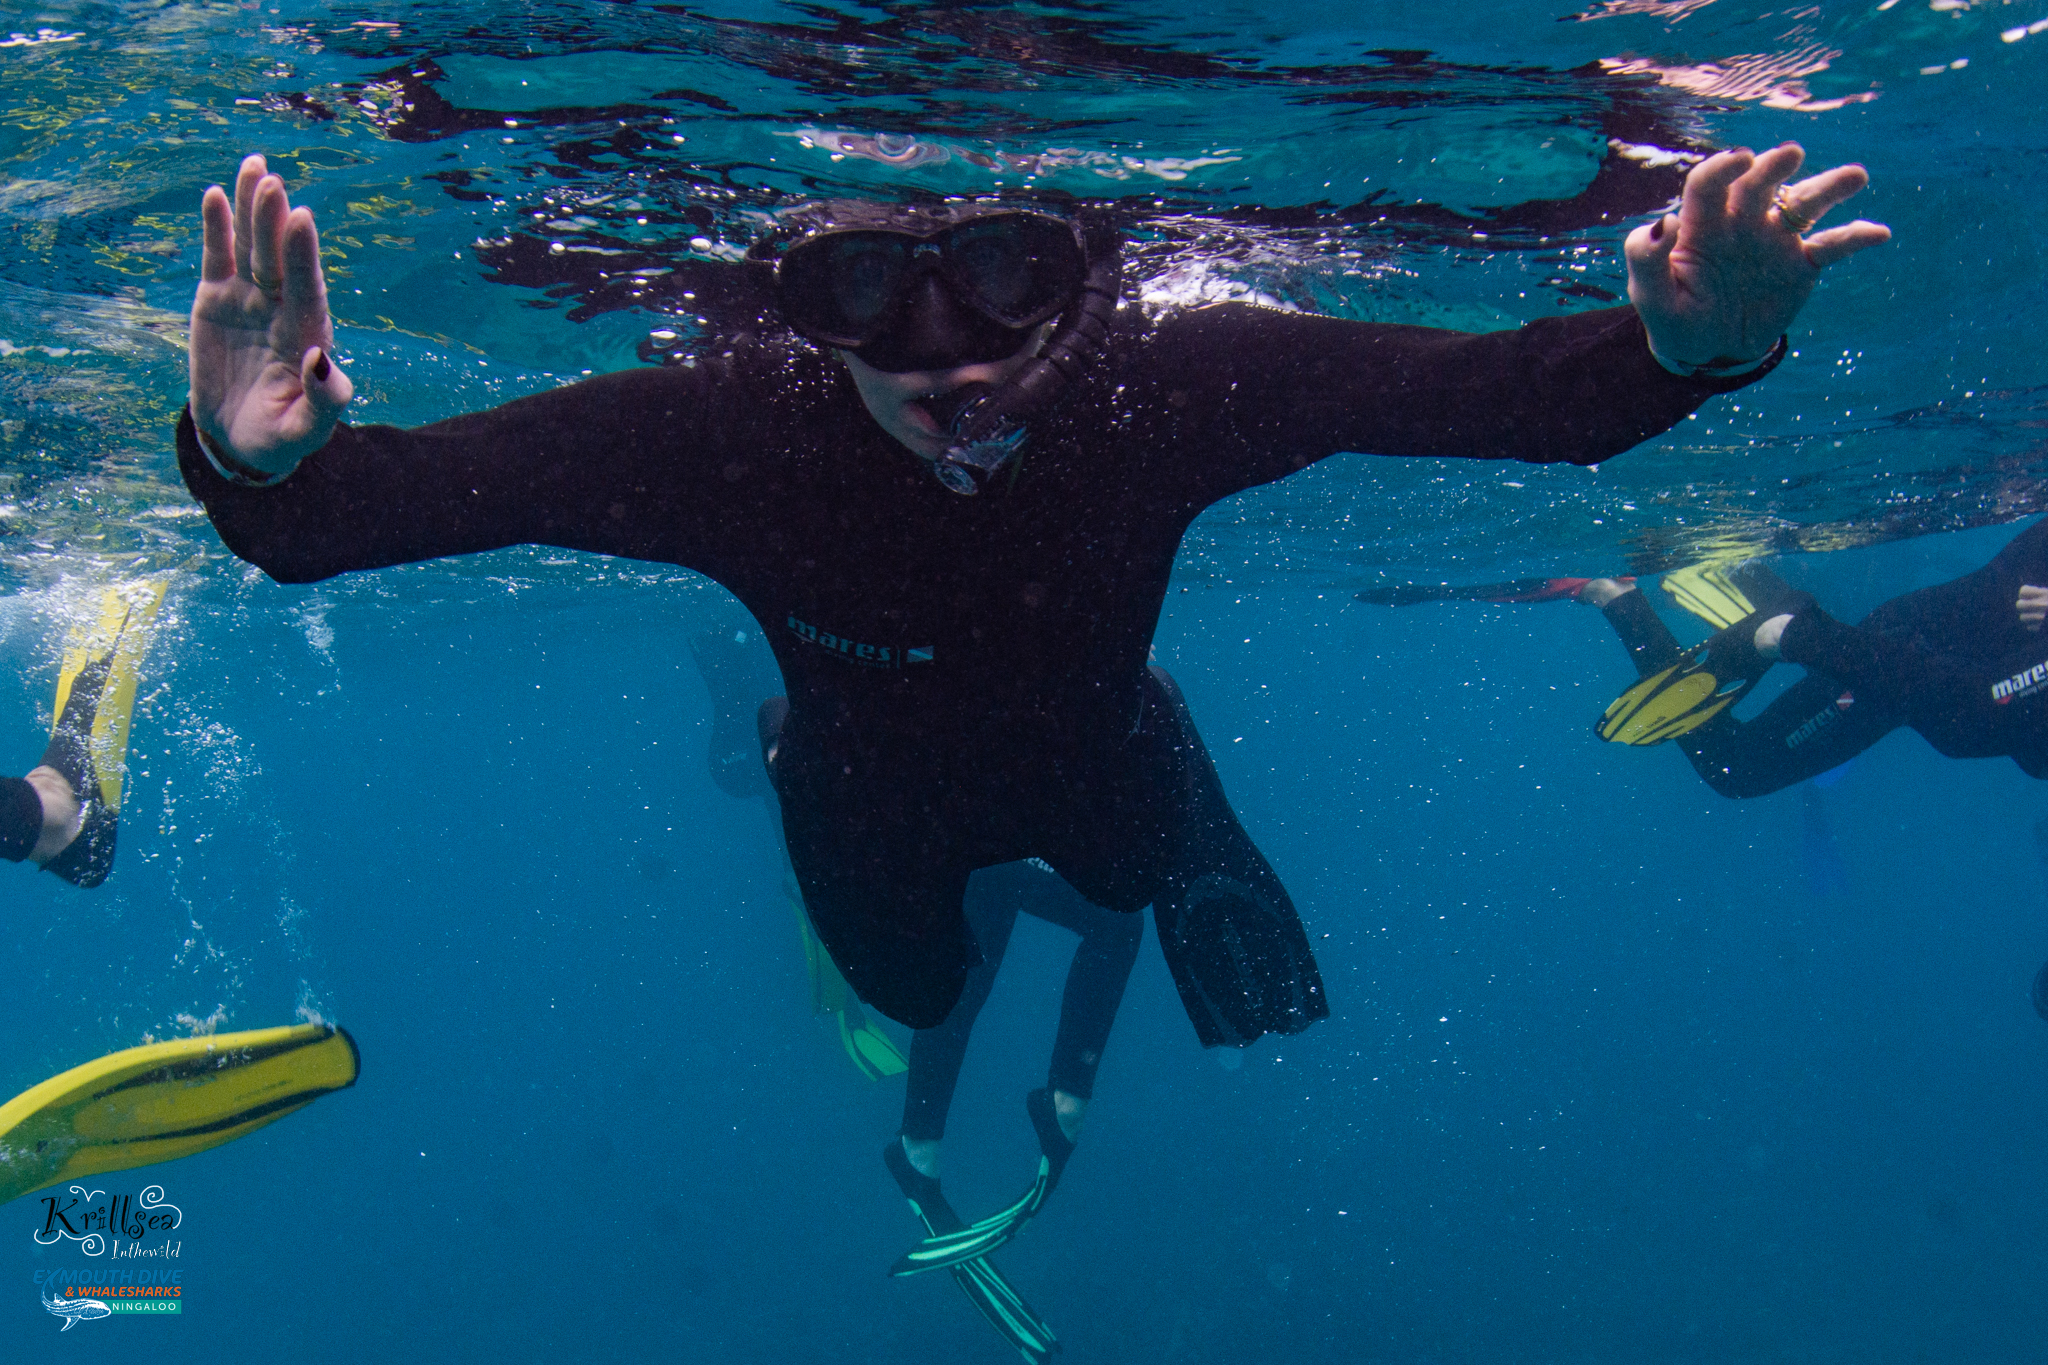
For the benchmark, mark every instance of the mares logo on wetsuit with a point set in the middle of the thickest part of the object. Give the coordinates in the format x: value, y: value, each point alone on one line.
x: 1821, y: 721
x: 2020, y: 684
x: 854, y: 651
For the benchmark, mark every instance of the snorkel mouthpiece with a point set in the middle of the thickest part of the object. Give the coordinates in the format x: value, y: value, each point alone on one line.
x: 978, y: 450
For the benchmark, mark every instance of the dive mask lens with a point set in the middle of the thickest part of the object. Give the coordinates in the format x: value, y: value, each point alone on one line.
x: 1016, y: 270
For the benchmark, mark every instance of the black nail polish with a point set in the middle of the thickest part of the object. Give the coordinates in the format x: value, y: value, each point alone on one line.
x: 321, y: 369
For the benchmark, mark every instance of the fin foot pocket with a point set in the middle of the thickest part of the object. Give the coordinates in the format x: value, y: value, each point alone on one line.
x: 1052, y: 1139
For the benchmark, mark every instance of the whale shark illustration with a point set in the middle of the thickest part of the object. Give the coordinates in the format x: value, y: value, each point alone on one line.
x: 75, y: 1311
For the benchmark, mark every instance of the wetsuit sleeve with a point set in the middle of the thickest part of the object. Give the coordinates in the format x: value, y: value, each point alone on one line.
x: 1283, y: 390
x: 21, y: 819
x: 617, y: 465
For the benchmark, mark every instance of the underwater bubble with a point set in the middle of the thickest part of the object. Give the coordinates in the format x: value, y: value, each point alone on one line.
x: 1230, y: 1059
x: 1280, y: 1275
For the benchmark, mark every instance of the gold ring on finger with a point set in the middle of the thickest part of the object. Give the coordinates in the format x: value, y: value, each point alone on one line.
x: 1788, y: 215
x: 270, y: 287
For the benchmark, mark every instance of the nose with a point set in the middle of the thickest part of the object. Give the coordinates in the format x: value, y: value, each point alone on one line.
x: 937, y: 328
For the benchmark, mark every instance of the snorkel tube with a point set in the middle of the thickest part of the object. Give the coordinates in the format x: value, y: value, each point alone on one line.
x: 986, y: 425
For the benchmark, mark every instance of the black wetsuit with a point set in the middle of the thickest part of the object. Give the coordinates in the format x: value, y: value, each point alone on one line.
x: 1951, y: 661
x: 21, y: 819
x: 966, y: 676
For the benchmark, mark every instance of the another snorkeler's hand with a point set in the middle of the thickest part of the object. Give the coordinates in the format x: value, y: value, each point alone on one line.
x: 265, y: 392
x: 2033, y: 606
x: 1717, y: 283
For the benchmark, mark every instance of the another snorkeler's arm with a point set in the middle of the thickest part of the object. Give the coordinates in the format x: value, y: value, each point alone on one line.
x: 1718, y: 282
x: 264, y: 386
x: 612, y: 465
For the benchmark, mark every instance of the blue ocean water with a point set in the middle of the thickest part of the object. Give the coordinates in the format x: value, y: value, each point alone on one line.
x: 1618, y: 1070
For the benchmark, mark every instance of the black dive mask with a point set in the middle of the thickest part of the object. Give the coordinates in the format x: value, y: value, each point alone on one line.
x: 967, y: 293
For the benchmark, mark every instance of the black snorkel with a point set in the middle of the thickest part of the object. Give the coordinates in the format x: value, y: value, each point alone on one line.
x: 986, y: 425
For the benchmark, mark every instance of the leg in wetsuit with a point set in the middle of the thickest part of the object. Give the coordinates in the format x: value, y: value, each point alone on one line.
x: 1814, y: 725
x: 1953, y: 661
x: 1095, y: 987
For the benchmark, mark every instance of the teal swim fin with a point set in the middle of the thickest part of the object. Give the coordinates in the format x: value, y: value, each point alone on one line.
x: 1005, y: 1310
x: 873, y: 1053
x: 992, y: 1295
x: 949, y: 1249
x: 943, y: 1250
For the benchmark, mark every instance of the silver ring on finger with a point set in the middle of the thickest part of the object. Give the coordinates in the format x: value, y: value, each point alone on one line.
x: 1791, y: 217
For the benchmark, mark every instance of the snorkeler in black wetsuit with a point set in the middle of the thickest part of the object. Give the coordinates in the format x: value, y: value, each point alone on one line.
x: 1965, y: 663
x: 966, y: 675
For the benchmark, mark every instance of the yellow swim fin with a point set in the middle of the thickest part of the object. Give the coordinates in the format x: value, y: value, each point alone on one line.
x: 89, y: 736
x: 1722, y: 592
x: 1674, y: 702
x: 1707, y: 592
x: 1707, y: 679
x: 873, y: 1053
x: 107, y: 653
x: 166, y: 1100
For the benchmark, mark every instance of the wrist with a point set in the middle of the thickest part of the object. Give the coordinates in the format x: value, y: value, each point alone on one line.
x: 235, y: 471
x: 1720, y: 367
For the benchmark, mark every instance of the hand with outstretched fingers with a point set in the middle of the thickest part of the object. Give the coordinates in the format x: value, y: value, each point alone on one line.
x: 1719, y: 281
x: 265, y: 390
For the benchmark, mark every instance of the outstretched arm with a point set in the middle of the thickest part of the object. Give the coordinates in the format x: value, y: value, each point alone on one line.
x: 266, y: 392
x: 1719, y: 281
